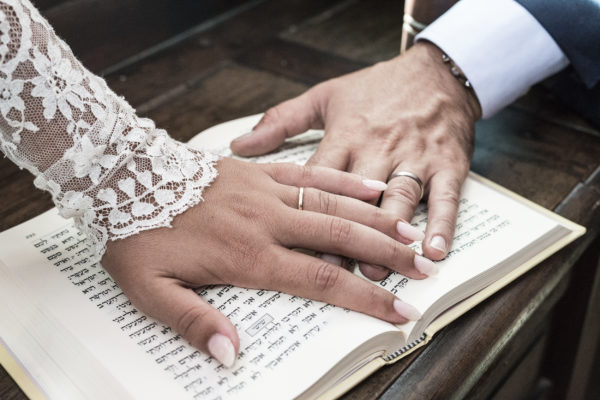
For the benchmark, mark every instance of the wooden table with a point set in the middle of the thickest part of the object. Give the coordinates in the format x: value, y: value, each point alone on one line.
x: 254, y: 54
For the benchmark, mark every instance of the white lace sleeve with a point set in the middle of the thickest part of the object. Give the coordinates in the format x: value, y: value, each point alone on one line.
x: 114, y: 173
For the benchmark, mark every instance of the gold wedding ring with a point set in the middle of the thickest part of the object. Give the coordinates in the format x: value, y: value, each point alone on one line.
x: 411, y: 176
x: 300, y: 198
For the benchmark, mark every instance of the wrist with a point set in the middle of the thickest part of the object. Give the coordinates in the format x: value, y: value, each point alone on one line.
x: 431, y: 60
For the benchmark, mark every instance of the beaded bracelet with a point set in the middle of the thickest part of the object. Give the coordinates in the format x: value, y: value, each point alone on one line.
x: 454, y: 70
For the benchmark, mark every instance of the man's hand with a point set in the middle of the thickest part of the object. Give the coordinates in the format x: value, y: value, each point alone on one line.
x: 241, y: 235
x: 406, y: 114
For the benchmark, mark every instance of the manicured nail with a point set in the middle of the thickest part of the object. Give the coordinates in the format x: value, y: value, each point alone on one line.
x: 439, y: 243
x: 332, y: 259
x: 409, y: 232
x: 221, y: 348
x: 375, y: 185
x: 244, y: 136
x: 406, y: 310
x: 425, y: 266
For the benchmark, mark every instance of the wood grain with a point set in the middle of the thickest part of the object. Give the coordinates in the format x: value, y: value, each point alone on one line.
x: 8, y: 388
x: 231, y: 92
x: 298, y: 62
x: 361, y: 30
x: 160, y: 78
x: 103, y: 32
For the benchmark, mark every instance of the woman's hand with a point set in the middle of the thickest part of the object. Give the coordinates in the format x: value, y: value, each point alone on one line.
x: 241, y: 235
x: 407, y: 114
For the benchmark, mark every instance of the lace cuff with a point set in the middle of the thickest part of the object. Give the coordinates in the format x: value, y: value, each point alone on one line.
x: 116, y: 174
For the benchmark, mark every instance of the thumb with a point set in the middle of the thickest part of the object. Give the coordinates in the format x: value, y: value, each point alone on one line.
x: 199, y: 323
x: 285, y: 120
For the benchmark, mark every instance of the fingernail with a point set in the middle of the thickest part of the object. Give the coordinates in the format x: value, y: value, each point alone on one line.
x: 244, y: 136
x: 332, y: 259
x: 439, y: 243
x: 425, y: 266
x: 221, y: 348
x: 406, y: 310
x: 409, y: 232
x: 375, y: 185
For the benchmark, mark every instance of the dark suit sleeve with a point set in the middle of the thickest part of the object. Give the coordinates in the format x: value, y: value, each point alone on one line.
x: 575, y: 26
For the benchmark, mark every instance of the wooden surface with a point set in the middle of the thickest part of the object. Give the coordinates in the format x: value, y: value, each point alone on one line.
x: 104, y: 32
x: 272, y: 50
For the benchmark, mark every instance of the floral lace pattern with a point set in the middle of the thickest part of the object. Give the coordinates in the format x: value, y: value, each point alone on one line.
x: 116, y: 174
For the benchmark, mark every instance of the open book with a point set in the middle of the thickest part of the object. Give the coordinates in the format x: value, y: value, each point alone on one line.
x: 68, y: 331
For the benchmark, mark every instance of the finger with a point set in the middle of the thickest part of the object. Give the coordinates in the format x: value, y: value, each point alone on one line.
x: 331, y: 258
x: 444, y: 197
x: 285, y: 120
x: 370, y: 167
x: 373, y: 272
x: 335, y: 235
x: 405, y: 234
x: 326, y: 179
x: 379, y: 169
x: 323, y: 202
x: 198, y: 322
x: 330, y: 154
x: 302, y: 275
x: 403, y: 194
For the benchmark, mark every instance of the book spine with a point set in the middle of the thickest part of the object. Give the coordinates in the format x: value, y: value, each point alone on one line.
x: 398, y: 353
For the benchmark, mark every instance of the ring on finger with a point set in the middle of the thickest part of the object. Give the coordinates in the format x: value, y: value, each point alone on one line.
x: 300, y: 198
x: 411, y: 176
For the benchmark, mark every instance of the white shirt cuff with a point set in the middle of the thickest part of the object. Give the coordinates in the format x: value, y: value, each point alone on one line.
x: 501, y: 48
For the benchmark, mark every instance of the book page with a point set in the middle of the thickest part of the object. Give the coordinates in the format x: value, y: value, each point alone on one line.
x: 25, y: 327
x: 280, y: 335
x: 490, y: 226
x: 287, y: 343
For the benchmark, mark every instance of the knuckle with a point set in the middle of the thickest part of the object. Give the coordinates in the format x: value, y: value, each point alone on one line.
x: 404, y: 190
x: 381, y: 215
x: 455, y: 186
x: 327, y: 203
x: 271, y: 276
x: 245, y: 211
x: 340, y: 231
x: 444, y: 223
x: 271, y: 116
x: 321, y: 157
x: 373, y: 297
x: 190, y: 320
x: 450, y: 193
x: 439, y: 139
x: 247, y: 261
x: 448, y: 197
x: 307, y: 174
x: 397, y: 252
x: 325, y: 276
x: 328, y: 151
x: 453, y: 142
x: 315, y: 159
x: 383, y: 220
x: 278, y: 170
